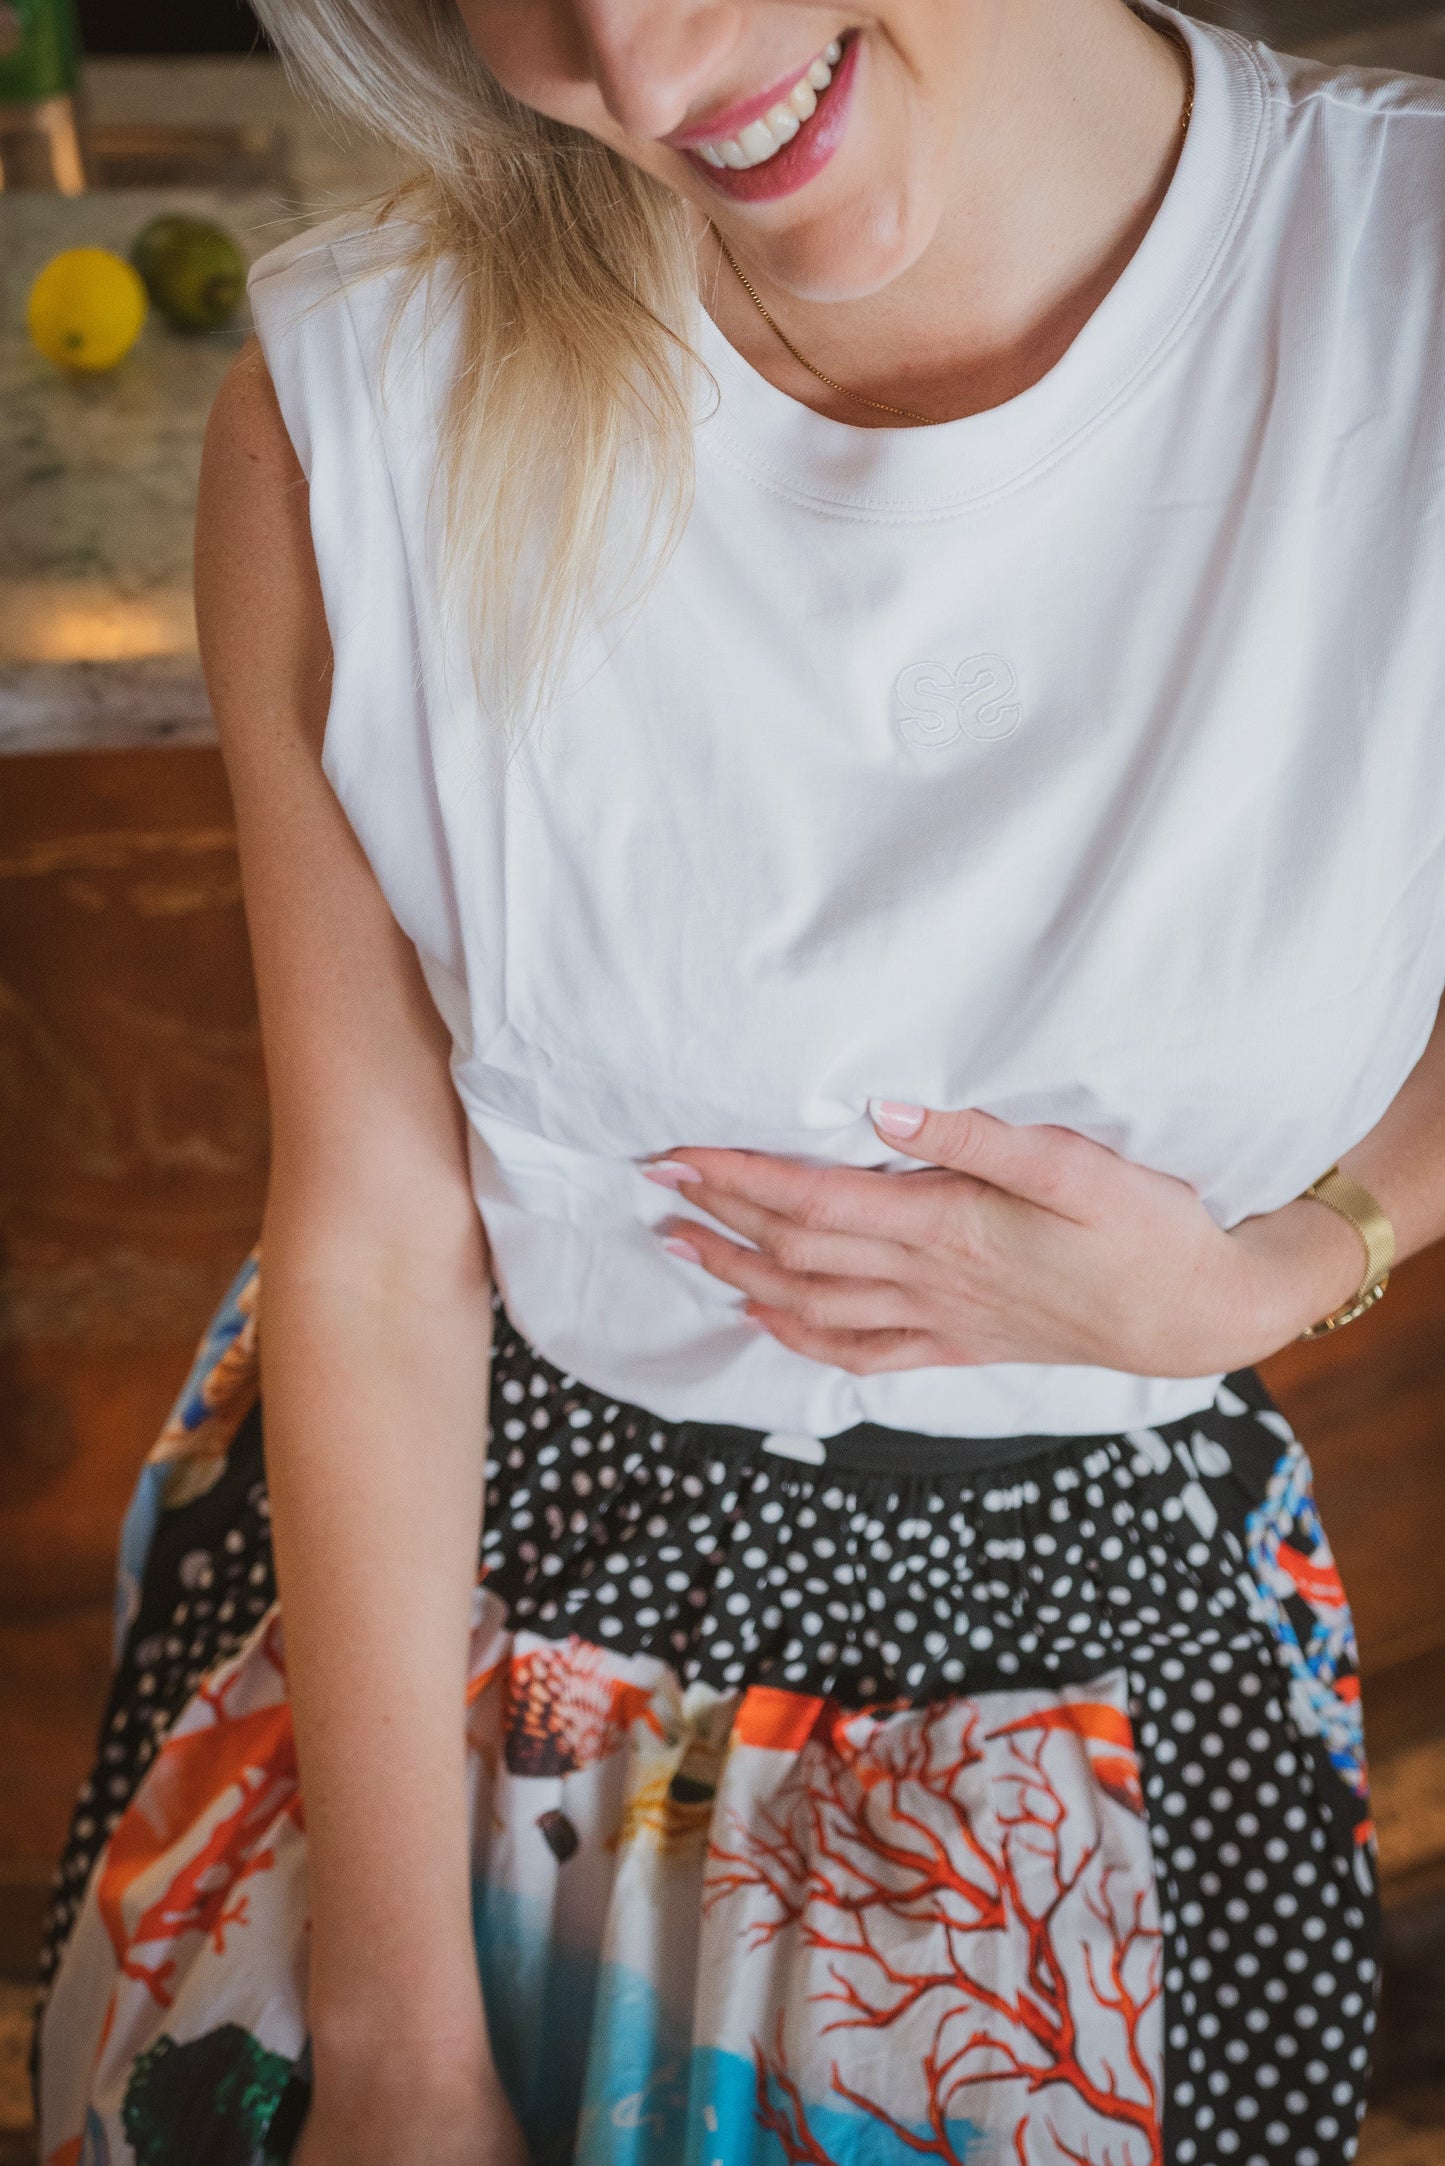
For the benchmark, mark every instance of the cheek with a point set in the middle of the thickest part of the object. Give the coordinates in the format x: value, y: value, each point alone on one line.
x: 532, y: 49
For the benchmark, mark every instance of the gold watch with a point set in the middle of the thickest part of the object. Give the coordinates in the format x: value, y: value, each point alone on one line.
x: 1352, y: 1202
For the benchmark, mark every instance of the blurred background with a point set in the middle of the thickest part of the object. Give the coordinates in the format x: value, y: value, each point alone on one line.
x: 168, y: 26
x: 132, y: 1117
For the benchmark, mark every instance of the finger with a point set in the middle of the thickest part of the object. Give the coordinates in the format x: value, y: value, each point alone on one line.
x: 1052, y: 1167
x: 861, y: 1353
x: 800, y: 1248
x: 826, y: 1199
x: 843, y: 1304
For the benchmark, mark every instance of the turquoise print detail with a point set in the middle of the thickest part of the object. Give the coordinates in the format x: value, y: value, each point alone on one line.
x: 190, y: 1452
x: 1295, y: 1577
x: 195, y: 1405
x: 138, y: 1531
x: 94, y: 2145
x: 745, y: 2113
x: 638, y: 2079
x: 540, y: 1997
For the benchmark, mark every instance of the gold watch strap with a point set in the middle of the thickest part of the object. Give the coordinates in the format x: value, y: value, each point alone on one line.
x: 1358, y: 1206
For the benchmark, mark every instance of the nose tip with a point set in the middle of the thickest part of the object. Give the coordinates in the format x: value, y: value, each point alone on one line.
x: 653, y: 62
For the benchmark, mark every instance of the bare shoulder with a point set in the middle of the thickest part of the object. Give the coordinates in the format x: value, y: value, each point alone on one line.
x: 259, y: 609
x: 247, y: 446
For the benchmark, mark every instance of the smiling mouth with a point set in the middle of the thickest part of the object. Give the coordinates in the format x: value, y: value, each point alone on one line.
x: 773, y: 130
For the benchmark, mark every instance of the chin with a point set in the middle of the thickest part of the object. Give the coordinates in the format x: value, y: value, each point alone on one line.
x: 847, y: 252
x: 853, y: 226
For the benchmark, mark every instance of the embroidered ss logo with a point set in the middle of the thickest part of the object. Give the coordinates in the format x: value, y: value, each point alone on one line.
x: 934, y: 705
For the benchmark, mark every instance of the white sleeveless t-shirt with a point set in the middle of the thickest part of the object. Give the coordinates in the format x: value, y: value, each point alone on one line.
x: 1083, y: 760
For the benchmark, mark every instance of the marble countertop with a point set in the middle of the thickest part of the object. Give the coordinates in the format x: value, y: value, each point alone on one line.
x: 98, y: 476
x: 98, y: 483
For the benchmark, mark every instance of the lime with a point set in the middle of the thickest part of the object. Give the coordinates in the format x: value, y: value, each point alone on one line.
x: 193, y: 272
x: 86, y: 309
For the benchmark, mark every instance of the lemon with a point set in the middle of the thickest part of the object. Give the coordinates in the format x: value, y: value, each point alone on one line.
x: 194, y: 272
x: 86, y: 309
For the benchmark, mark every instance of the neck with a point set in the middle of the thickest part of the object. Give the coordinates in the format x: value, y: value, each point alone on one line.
x: 1061, y: 145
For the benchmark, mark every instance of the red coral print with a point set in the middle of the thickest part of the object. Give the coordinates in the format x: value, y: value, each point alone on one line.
x: 913, y: 1903
x: 1108, y: 1738
x: 249, y: 1758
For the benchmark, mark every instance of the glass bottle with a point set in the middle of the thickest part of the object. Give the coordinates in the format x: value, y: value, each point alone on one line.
x: 39, y: 68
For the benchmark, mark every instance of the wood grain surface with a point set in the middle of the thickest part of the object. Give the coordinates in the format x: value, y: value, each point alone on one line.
x: 132, y: 1172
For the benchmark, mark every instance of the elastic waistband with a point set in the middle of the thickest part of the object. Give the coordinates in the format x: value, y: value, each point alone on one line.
x: 871, y: 1448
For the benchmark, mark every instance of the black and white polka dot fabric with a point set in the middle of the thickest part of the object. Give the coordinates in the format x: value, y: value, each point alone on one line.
x: 879, y: 1570
x: 209, y: 1579
x: 883, y: 1574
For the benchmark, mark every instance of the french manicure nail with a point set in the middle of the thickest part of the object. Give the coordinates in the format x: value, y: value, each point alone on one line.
x: 676, y: 1246
x: 895, y: 1119
x: 670, y: 1173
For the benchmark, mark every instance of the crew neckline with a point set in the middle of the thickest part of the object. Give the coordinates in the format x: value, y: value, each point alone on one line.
x: 902, y: 473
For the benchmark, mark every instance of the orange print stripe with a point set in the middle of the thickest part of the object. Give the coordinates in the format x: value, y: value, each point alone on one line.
x: 1320, y: 1584
x: 778, y: 1721
x: 1093, y: 1720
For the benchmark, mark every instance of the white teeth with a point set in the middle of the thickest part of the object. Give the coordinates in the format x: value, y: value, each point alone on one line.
x: 763, y: 139
x: 757, y: 141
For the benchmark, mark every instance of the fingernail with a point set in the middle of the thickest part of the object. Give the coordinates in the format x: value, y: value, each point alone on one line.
x: 676, y: 1246
x: 895, y: 1119
x: 669, y: 1172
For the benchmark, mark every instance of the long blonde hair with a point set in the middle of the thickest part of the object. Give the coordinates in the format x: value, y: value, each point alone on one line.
x: 577, y: 286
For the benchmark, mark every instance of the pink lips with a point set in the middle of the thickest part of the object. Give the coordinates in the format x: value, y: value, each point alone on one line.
x: 734, y: 118
x: 797, y: 162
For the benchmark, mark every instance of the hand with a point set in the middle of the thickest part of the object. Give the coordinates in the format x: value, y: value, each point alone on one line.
x: 1015, y: 1245
x: 394, y: 2113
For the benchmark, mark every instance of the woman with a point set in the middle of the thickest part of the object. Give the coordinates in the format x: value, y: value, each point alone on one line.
x: 857, y: 882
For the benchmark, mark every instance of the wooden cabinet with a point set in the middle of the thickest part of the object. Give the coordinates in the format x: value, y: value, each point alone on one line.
x: 132, y: 1172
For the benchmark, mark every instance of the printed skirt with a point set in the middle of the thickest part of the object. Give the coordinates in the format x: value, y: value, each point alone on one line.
x: 840, y: 1803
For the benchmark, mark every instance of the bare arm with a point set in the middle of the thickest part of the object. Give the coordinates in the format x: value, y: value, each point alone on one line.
x: 375, y: 1337
x: 1402, y: 1159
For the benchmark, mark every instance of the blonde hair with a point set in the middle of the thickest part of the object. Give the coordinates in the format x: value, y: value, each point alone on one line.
x: 577, y: 287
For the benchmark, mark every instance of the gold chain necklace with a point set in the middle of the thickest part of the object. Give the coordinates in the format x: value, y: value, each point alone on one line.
x: 881, y: 406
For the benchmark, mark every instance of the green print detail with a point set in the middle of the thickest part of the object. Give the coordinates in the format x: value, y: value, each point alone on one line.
x: 212, y: 2098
